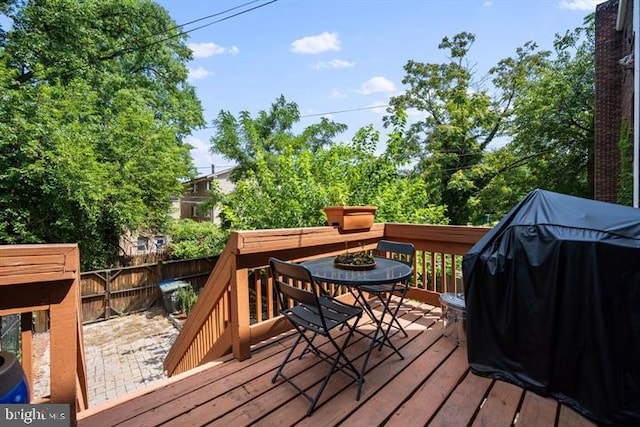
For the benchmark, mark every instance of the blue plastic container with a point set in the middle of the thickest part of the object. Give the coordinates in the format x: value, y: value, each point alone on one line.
x: 13, y: 384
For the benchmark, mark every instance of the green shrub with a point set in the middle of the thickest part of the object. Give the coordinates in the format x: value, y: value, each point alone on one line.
x: 185, y: 299
x: 191, y: 239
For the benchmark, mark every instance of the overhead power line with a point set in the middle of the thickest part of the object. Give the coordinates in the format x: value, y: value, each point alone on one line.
x: 345, y: 111
x: 133, y: 48
x: 329, y: 112
x: 204, y: 18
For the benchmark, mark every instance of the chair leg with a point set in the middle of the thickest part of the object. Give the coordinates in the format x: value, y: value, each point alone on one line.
x: 379, y: 322
x: 385, y: 304
x: 309, y: 347
x: 385, y: 300
x: 361, y: 300
x: 286, y: 359
x: 395, y: 312
x: 357, y: 375
x: 394, y: 315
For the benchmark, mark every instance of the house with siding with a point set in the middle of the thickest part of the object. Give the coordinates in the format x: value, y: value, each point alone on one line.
x: 196, y: 191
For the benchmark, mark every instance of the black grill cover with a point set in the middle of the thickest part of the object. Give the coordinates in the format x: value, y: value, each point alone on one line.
x: 553, y: 303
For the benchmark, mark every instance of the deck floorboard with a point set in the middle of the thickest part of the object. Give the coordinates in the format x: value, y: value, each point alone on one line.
x: 432, y: 385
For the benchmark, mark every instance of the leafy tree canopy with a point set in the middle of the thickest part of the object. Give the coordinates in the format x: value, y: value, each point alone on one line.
x: 246, y: 140
x: 94, y: 107
x: 288, y: 184
x: 553, y: 125
x: 458, y: 118
x: 540, y: 104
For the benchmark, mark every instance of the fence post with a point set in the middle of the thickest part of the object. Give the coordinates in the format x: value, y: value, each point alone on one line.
x: 159, y: 271
x: 107, y: 295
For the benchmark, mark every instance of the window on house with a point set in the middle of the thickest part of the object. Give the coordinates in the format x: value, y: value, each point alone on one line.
x: 143, y: 244
x: 160, y: 241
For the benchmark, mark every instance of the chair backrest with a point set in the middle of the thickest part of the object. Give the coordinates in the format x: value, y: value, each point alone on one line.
x: 285, y: 275
x: 400, y: 251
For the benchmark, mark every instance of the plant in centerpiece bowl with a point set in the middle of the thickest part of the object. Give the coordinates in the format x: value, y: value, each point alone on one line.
x: 361, y: 260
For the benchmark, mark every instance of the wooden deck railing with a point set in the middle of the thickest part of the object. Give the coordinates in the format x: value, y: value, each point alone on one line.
x: 236, y: 307
x: 239, y: 288
x: 438, y: 262
x: 47, y: 277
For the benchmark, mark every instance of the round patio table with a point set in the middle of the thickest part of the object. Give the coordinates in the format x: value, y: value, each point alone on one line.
x: 385, y: 271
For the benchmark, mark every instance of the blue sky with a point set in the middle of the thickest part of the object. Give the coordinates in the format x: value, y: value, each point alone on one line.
x: 334, y: 55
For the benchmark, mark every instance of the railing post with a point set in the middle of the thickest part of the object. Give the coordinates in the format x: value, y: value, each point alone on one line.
x: 239, y: 311
x: 64, y: 339
x: 26, y: 338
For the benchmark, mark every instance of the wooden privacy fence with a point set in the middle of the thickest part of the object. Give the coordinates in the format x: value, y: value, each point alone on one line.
x: 118, y: 291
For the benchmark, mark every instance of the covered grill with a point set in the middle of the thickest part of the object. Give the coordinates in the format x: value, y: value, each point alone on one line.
x: 553, y: 303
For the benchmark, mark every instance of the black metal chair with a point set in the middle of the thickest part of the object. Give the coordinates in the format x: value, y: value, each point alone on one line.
x: 403, y: 252
x: 312, y: 311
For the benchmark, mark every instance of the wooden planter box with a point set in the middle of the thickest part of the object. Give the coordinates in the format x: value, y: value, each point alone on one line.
x: 349, y: 218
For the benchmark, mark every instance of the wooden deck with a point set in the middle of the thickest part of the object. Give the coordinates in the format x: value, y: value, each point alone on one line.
x: 431, y: 386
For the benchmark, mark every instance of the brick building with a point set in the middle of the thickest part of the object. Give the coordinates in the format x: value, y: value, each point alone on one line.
x: 614, y: 66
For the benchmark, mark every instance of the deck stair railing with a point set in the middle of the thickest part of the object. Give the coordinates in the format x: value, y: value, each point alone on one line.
x: 46, y: 277
x: 239, y: 288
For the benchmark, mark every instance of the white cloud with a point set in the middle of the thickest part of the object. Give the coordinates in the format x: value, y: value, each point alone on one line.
x: 487, y: 3
x: 316, y: 44
x: 205, y: 50
x: 336, y: 94
x: 377, y: 84
x: 198, y: 73
x: 334, y: 63
x: 589, y: 5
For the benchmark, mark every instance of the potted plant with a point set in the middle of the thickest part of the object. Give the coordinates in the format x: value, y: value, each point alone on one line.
x: 361, y: 260
x: 350, y: 218
x: 186, y: 298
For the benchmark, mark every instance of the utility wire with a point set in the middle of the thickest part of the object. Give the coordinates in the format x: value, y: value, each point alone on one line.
x: 345, y: 111
x: 327, y: 113
x: 126, y: 50
x: 203, y: 18
x: 175, y: 27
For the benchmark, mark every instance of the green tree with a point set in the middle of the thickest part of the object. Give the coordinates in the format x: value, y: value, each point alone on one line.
x: 553, y: 126
x: 246, y: 140
x: 551, y: 129
x: 280, y: 193
x: 288, y: 185
x: 460, y: 117
x: 94, y: 108
x: 509, y: 179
